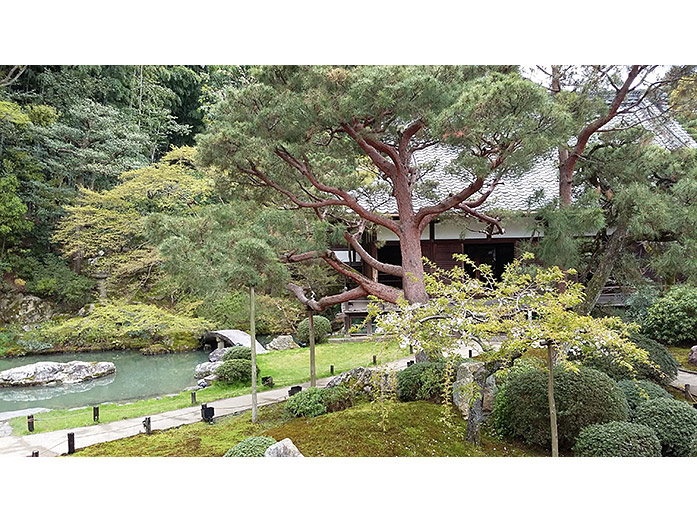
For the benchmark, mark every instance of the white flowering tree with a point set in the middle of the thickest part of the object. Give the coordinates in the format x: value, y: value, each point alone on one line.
x: 530, y: 307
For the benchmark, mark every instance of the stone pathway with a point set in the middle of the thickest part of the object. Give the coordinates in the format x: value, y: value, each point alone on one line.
x: 686, y: 378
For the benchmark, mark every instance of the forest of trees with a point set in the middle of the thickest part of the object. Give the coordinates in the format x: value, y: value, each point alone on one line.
x: 169, y: 178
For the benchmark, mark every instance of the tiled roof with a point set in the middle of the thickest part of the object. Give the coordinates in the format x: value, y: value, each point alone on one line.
x: 530, y: 190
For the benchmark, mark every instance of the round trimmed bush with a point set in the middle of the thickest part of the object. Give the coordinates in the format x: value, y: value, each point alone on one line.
x: 640, y: 391
x: 235, y: 371
x: 238, y: 353
x: 675, y: 424
x: 617, y: 439
x: 582, y: 398
x: 693, y: 447
x: 673, y: 318
x: 308, y: 403
x: 315, y: 402
x: 421, y: 381
x: 253, y: 447
x: 658, y: 353
x: 323, y: 329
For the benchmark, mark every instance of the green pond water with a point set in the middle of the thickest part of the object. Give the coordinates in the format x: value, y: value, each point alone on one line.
x: 136, y: 377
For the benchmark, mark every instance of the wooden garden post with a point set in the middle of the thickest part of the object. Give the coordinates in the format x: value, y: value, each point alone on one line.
x: 552, y: 405
x: 311, y: 329
x: 253, y: 344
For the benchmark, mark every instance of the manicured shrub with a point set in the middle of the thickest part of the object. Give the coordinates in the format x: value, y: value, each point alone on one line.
x: 675, y: 424
x: 665, y: 373
x: 640, y: 391
x: 421, y: 381
x: 124, y: 326
x: 693, y: 447
x: 315, y: 402
x: 338, y: 398
x: 238, y: 353
x: 617, y: 439
x: 673, y: 318
x: 235, y: 371
x: 501, y: 414
x: 307, y: 403
x: 323, y: 328
x: 253, y: 447
x: 582, y: 398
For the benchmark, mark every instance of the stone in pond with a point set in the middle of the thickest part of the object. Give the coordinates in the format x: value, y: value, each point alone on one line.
x: 55, y: 373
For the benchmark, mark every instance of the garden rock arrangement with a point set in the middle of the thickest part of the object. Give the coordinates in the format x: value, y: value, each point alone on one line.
x: 283, y: 449
x: 692, y: 357
x: 54, y: 373
x: 24, y: 309
x: 282, y: 343
x: 206, y: 368
x: 362, y: 379
x: 464, y: 386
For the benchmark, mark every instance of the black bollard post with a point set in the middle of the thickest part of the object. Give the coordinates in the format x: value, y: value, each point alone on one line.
x: 71, y: 443
x: 331, y: 370
x: 148, y: 425
x: 95, y: 414
x: 34, y: 453
x: 375, y: 359
x: 193, y: 397
x: 30, y: 422
x: 470, y: 353
x: 687, y: 391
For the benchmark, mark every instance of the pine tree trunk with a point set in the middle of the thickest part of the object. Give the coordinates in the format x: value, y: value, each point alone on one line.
x: 253, y: 344
x: 602, y: 273
x: 552, y: 405
x: 311, y: 325
x: 413, y: 266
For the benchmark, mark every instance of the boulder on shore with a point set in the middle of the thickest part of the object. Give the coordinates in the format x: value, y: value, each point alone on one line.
x: 283, y: 343
x: 206, y: 368
x: 55, y: 373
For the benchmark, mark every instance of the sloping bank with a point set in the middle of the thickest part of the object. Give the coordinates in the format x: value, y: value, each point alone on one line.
x: 115, y: 326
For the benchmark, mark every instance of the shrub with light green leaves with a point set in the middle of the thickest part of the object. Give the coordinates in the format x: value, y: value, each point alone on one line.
x: 673, y: 318
x: 640, y: 391
x: 582, y: 398
x: 323, y: 328
x: 665, y: 370
x: 617, y: 439
x: 675, y: 424
x: 253, y: 447
x: 235, y: 371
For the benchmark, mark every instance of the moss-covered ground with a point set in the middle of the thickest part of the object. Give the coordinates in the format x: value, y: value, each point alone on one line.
x: 366, y: 430
x: 286, y: 367
x: 681, y: 354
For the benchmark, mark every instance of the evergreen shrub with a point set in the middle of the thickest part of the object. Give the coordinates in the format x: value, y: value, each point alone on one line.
x: 238, y: 353
x: 236, y: 371
x: 640, y: 391
x: 673, y: 318
x: 323, y: 328
x: 421, y: 381
x: 665, y: 371
x: 617, y: 439
x: 314, y: 402
x: 582, y: 398
x: 675, y: 424
x: 253, y: 447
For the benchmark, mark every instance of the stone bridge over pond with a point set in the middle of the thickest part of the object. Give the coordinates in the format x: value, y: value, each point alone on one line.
x: 230, y: 338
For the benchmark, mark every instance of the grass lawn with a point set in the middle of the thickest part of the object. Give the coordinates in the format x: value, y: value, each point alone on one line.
x: 287, y: 368
x: 410, y: 429
x: 681, y: 354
